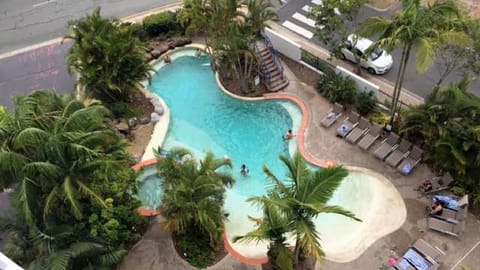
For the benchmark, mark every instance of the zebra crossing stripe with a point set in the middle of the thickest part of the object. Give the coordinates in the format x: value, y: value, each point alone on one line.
x: 302, y: 18
x: 297, y: 29
x: 317, y: 2
x: 306, y: 8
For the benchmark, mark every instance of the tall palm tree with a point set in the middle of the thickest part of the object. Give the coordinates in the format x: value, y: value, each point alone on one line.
x: 193, y: 193
x: 423, y: 29
x: 301, y: 198
x: 108, y: 57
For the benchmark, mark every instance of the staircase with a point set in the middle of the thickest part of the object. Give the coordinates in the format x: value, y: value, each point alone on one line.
x: 271, y: 66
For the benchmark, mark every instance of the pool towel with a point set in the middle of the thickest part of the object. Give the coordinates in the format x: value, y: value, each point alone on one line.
x: 416, y: 259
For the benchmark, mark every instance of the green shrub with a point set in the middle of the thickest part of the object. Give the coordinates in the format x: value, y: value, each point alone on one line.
x: 195, y: 248
x: 365, y: 102
x: 379, y: 117
x: 138, y: 30
x: 164, y: 23
x: 317, y: 63
x: 122, y: 110
x: 337, y: 88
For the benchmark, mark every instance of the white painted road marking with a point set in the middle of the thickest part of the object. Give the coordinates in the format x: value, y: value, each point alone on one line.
x: 302, y: 18
x: 317, y: 2
x: 306, y: 8
x: 297, y: 29
x: 44, y: 3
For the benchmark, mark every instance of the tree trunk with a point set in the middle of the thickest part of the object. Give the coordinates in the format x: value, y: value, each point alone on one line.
x: 398, y: 83
x: 297, y: 250
x: 402, y: 76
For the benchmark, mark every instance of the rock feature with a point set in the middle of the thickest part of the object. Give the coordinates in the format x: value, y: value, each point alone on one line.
x: 155, y: 117
x: 144, y: 120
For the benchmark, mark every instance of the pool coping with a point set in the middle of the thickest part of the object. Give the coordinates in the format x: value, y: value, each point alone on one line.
x: 270, y: 96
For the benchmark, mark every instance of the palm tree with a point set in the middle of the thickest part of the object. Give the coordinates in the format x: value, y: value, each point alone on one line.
x: 61, y: 248
x: 259, y: 13
x: 193, y: 195
x: 56, y: 153
x: 108, y: 57
x: 55, y: 146
x: 272, y: 227
x: 423, y: 29
x: 301, y: 198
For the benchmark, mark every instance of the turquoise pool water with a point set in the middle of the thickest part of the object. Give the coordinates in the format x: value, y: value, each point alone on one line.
x: 203, y: 118
x: 149, y: 190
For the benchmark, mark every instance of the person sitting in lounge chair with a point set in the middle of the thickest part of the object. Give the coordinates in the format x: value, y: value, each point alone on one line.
x: 426, y: 186
x: 436, y: 209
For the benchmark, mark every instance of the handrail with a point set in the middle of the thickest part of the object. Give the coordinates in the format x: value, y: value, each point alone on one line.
x: 274, y: 52
x: 265, y: 70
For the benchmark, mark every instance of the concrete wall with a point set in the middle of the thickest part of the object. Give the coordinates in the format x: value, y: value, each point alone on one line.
x: 362, y: 84
x: 284, y: 45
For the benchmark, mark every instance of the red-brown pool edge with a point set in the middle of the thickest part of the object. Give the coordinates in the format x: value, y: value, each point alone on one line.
x: 301, y: 148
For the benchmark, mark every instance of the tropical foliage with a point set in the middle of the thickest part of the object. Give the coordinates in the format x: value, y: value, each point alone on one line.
x: 66, y: 166
x: 192, y: 202
x: 334, y: 20
x: 230, y: 28
x: 108, y: 58
x: 458, y: 58
x: 290, y: 207
x: 449, y: 124
x: 418, y: 28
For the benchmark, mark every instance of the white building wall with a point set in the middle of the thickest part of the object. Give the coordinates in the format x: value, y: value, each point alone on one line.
x: 284, y: 45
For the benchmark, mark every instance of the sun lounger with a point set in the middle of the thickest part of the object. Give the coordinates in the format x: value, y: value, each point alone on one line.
x: 387, y: 146
x: 369, y: 138
x: 358, y: 131
x: 449, y: 226
x: 332, y: 115
x: 458, y: 213
x: 429, y: 251
x: 348, y: 124
x: 440, y: 183
x: 399, y: 153
x: 411, y: 161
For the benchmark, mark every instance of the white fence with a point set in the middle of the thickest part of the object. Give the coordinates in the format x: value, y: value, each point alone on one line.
x: 362, y: 84
x: 284, y: 45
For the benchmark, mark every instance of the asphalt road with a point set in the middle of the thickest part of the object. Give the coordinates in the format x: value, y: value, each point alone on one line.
x: 27, y: 22
x: 418, y: 83
x: 24, y: 23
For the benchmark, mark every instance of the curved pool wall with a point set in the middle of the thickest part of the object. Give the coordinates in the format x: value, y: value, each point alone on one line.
x: 378, y: 219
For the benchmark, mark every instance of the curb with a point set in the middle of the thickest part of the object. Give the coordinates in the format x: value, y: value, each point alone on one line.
x: 131, y: 18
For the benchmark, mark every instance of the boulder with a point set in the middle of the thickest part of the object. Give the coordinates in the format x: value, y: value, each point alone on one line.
x: 159, y: 109
x: 122, y: 127
x: 132, y: 122
x: 144, y: 120
x: 155, y: 117
x: 155, y: 54
x: 182, y: 41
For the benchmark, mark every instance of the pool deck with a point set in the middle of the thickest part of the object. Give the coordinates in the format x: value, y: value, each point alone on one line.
x: 155, y: 250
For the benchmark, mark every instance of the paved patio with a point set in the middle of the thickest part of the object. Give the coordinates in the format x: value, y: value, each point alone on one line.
x: 155, y: 250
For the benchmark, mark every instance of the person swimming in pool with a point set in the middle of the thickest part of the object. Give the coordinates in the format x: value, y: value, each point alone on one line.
x: 244, y: 169
x: 289, y: 135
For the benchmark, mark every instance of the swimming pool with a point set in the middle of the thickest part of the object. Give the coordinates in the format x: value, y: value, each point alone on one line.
x: 249, y: 132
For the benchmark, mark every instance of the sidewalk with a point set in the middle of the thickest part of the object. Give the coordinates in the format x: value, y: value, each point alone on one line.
x: 406, y: 96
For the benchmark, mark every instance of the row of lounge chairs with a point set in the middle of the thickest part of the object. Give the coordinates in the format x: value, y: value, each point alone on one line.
x: 420, y: 256
x: 357, y: 130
